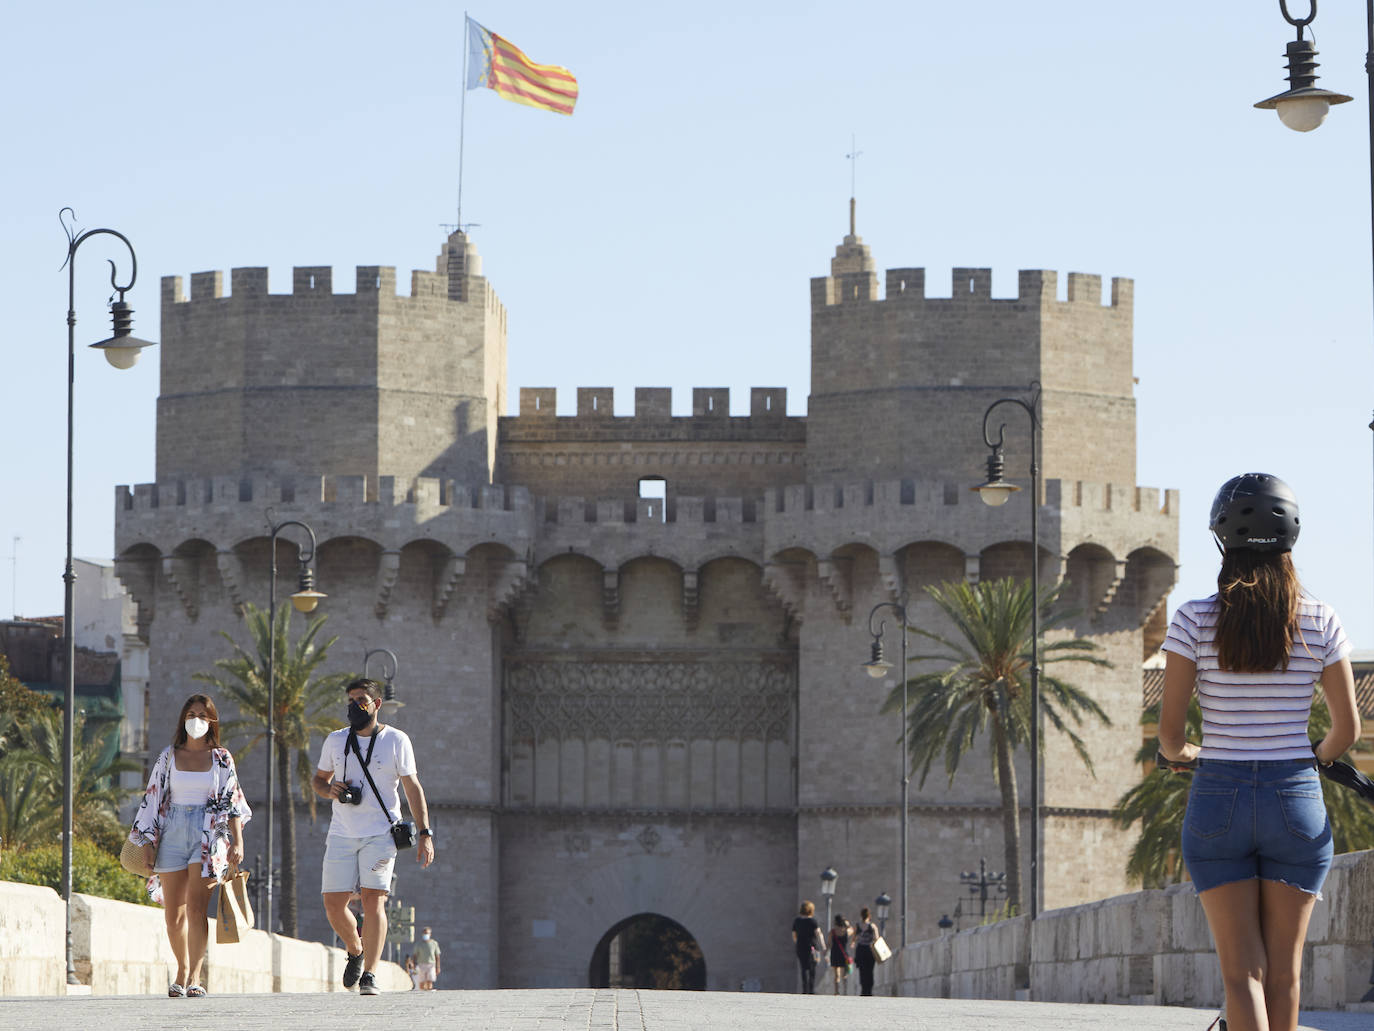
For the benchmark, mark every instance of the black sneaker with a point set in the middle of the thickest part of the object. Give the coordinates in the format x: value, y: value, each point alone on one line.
x: 352, y: 969
x: 368, y: 985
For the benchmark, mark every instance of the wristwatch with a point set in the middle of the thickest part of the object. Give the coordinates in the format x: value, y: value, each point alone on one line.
x: 424, y: 831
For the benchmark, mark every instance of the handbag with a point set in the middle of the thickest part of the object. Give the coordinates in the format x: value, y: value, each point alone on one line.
x: 881, y: 952
x: 234, y: 914
x: 402, y: 831
x: 134, y: 859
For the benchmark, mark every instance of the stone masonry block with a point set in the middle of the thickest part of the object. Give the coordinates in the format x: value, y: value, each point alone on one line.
x: 653, y: 402
x: 207, y: 285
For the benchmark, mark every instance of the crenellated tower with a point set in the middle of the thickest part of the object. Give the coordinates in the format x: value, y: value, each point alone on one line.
x: 893, y: 378
x: 321, y: 383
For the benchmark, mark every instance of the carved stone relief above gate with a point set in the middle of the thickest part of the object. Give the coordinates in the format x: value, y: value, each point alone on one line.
x: 681, y: 732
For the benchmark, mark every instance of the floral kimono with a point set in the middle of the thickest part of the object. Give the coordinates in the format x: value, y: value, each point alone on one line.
x: 226, y: 801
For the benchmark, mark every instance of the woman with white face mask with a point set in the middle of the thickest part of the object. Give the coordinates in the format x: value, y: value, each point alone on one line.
x: 191, y: 828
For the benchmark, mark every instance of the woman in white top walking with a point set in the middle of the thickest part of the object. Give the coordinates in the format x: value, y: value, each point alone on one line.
x: 1256, y: 839
x: 191, y: 828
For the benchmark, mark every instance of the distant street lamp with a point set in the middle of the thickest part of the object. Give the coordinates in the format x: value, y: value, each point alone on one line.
x: 121, y: 351
x: 389, y: 702
x: 305, y: 599
x: 995, y: 491
x: 828, y: 878
x: 979, y: 883
x: 944, y: 923
x: 883, y: 903
x: 878, y: 667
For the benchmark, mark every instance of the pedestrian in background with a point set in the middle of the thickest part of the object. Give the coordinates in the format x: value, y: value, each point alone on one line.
x: 190, y: 825
x: 863, y: 951
x: 427, y: 960
x: 840, y: 936
x: 1256, y: 837
x: 413, y: 973
x: 806, y: 936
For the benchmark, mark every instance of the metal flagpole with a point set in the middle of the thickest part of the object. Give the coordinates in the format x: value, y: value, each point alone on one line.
x: 462, y: 117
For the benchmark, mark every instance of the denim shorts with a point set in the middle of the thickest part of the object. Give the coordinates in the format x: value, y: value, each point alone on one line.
x: 1257, y: 819
x: 353, y: 863
x: 183, y: 839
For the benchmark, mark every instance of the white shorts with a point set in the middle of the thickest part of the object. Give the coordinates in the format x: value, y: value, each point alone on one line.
x: 353, y: 863
x: 425, y: 973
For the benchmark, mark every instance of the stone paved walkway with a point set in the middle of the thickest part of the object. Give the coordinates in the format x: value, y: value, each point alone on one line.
x: 594, y: 1010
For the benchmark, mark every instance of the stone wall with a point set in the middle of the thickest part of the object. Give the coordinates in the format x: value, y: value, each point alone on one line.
x: 1150, y: 947
x: 119, y: 948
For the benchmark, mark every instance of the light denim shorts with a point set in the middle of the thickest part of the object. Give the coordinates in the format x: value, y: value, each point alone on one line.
x: 183, y: 839
x: 353, y: 863
x: 1257, y: 819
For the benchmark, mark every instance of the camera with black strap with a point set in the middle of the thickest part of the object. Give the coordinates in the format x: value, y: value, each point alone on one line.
x: 402, y: 831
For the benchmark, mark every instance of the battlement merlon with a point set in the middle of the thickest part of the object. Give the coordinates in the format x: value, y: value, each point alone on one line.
x: 316, y: 281
x: 889, y: 514
x: 228, y: 510
x: 908, y: 285
x: 541, y: 403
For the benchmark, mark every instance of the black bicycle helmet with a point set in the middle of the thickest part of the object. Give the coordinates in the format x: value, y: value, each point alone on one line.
x: 1256, y: 511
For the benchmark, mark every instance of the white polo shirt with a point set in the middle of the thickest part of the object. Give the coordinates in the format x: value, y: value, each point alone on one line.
x: 392, y: 759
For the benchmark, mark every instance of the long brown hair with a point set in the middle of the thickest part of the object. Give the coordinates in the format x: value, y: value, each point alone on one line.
x: 1258, y: 592
x: 211, y: 735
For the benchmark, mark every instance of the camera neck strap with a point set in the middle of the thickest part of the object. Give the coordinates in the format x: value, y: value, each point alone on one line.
x: 353, y: 743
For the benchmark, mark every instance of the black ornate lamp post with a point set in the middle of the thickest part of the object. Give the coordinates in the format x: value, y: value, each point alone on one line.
x: 995, y: 491
x: 883, y: 904
x: 878, y: 667
x: 1303, y: 106
x: 828, y: 879
x: 389, y: 701
x: 121, y: 351
x: 979, y: 883
x: 305, y: 599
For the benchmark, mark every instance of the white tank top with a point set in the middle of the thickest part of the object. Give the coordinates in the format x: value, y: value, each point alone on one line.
x: 190, y: 787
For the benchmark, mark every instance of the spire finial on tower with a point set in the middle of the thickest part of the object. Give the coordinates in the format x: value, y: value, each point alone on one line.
x: 853, y: 158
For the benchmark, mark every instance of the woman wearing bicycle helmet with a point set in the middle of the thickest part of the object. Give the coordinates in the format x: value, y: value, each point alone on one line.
x: 1256, y: 840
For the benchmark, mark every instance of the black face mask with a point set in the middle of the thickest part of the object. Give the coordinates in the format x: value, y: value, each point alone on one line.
x: 358, y: 717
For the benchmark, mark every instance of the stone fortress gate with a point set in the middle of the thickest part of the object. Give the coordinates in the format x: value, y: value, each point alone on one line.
x: 628, y: 706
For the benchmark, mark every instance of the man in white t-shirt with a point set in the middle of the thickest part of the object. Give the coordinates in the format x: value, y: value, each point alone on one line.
x: 359, y: 853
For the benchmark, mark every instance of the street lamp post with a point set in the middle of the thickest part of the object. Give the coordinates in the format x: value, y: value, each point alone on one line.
x: 995, y: 491
x: 979, y: 883
x: 389, y: 701
x: 828, y: 878
x: 305, y: 599
x: 878, y: 667
x: 883, y: 904
x: 121, y: 351
x: 1303, y: 106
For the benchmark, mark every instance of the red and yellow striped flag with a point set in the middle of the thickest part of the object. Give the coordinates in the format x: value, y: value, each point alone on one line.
x: 499, y: 64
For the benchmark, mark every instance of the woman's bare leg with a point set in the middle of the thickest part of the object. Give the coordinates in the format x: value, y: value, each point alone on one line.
x: 1233, y: 914
x: 197, y: 896
x: 174, y: 912
x: 1284, y: 913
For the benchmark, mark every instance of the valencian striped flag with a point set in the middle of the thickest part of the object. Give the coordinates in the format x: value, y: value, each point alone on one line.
x: 498, y: 64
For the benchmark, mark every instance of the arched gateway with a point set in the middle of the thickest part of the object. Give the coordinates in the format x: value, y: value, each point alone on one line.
x: 648, y: 951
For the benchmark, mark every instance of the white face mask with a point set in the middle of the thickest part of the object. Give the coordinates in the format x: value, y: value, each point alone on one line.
x: 424, y: 937
x: 196, y: 727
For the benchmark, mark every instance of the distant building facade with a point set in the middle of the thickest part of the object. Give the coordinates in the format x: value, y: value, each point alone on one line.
x: 627, y: 704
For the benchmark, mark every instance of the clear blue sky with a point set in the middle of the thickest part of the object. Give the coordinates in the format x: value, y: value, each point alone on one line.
x: 665, y: 234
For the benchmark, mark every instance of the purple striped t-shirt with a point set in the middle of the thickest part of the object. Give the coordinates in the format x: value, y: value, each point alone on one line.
x: 1257, y: 716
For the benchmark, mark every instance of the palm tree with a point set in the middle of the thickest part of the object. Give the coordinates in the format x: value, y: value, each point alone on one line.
x: 1157, y: 803
x: 31, y: 782
x: 302, y: 702
x: 985, y: 686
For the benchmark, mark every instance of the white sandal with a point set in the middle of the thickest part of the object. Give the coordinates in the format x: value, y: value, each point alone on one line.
x: 176, y: 991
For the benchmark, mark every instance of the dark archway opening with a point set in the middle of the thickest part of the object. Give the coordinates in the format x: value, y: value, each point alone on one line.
x: 648, y: 951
